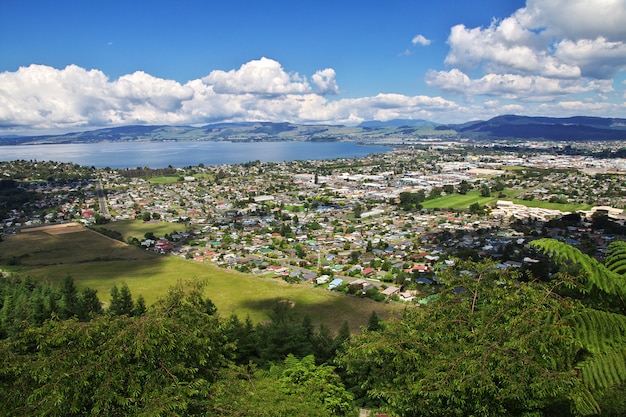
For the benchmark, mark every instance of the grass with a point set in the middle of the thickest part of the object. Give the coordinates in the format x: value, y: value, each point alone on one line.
x: 553, y: 206
x: 138, y: 228
x: 164, y: 180
x: 463, y: 201
x: 98, y: 262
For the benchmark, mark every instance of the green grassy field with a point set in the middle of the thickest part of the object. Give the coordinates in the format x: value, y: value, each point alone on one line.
x: 98, y: 262
x: 463, y: 201
x: 553, y: 206
x: 164, y: 180
x: 138, y: 228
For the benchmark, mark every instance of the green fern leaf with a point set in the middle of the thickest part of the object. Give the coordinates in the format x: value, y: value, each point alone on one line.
x: 595, y: 272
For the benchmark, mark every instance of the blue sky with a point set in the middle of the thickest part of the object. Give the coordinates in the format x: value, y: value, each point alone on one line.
x: 75, y: 65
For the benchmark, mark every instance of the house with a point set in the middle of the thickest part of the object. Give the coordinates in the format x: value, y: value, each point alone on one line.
x: 310, y: 276
x: 389, y: 291
x: 335, y: 283
x: 409, y: 295
x: 322, y: 279
x: 367, y: 271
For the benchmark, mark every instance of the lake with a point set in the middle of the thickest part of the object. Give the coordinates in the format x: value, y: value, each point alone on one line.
x: 181, y: 154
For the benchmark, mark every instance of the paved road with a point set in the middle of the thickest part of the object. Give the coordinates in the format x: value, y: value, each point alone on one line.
x: 103, y: 203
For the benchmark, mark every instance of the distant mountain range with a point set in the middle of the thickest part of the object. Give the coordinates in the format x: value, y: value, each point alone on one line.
x: 501, y: 127
x: 543, y: 128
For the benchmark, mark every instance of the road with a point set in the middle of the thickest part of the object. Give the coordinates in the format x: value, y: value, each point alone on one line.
x: 104, y: 210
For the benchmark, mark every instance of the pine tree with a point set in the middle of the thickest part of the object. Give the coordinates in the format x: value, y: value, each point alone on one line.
x: 88, y: 304
x: 69, y: 306
x: 373, y: 323
x: 140, y: 307
x: 121, y: 301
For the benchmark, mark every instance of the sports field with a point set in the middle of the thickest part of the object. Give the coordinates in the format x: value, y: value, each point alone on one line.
x: 463, y: 201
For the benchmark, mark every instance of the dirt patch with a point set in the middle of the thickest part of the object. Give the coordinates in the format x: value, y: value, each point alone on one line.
x: 57, y: 229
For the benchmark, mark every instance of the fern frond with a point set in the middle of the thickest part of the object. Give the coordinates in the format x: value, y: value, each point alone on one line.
x: 584, y: 402
x: 616, y: 257
x: 599, y: 331
x: 618, y: 265
x: 604, y: 370
x: 595, y: 272
x: 616, y: 247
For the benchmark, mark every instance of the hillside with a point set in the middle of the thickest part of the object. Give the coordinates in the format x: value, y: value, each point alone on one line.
x: 543, y: 128
x: 252, y: 131
x: 501, y: 127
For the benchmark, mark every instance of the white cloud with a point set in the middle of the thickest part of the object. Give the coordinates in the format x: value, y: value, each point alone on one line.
x: 544, y: 51
x: 504, y: 47
x: 513, y: 86
x: 420, y: 40
x: 140, y: 88
x: 42, y: 97
x: 325, y: 81
x: 553, y: 38
x: 597, y: 58
x: 577, y: 19
x: 263, y: 76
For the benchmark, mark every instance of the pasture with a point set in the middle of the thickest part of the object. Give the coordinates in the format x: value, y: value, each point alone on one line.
x: 138, y: 228
x: 96, y: 261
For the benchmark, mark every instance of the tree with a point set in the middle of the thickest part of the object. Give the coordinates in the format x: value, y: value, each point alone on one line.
x: 300, y: 253
x: 487, y: 345
x: 464, y: 187
x: 89, y: 304
x: 374, y: 323
x: 284, y: 335
x: 121, y: 301
x: 302, y: 377
x: 475, y: 208
x: 69, y: 305
x: 354, y: 256
x: 246, y: 391
x: 435, y: 192
x: 140, y: 307
x: 163, y: 363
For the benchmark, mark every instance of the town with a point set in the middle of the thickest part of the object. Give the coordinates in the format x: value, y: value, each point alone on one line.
x: 377, y: 226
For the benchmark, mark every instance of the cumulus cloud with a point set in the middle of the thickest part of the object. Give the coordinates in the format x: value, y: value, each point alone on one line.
x: 420, y: 40
x: 42, y: 97
x: 263, y: 76
x: 543, y: 51
x: 514, y: 86
x: 576, y: 19
x: 597, y: 58
x: 325, y: 81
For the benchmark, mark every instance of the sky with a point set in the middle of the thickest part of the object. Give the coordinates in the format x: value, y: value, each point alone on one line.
x: 70, y: 65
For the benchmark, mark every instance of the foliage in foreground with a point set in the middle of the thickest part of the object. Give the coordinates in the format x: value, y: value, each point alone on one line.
x: 600, y: 328
x: 488, y: 346
x: 175, y: 359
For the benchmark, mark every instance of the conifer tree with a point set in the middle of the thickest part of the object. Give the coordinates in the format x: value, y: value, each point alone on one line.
x: 121, y: 301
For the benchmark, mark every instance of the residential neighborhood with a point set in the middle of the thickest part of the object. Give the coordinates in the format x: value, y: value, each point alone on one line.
x: 377, y: 226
